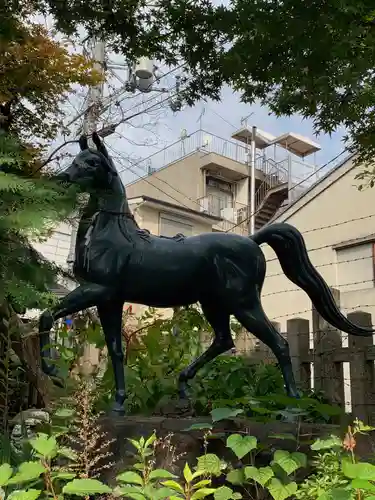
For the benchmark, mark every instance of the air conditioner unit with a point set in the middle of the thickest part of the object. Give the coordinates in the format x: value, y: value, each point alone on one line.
x: 203, y: 204
x: 241, y: 214
x: 228, y: 214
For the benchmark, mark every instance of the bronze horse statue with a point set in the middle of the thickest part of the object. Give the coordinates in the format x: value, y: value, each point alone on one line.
x: 117, y: 262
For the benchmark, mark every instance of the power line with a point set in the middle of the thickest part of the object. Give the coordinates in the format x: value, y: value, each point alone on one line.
x: 221, y: 117
x: 325, y: 265
x: 329, y: 245
x: 288, y: 315
x: 333, y: 286
x: 148, y: 182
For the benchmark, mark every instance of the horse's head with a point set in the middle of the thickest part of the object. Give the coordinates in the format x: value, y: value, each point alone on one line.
x: 92, y: 169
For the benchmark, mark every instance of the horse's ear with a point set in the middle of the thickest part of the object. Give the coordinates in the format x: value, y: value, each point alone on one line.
x: 99, y: 144
x: 83, y: 143
x: 102, y: 149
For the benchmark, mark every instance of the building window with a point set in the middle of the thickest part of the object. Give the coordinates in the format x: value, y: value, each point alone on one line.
x: 356, y: 267
x: 171, y: 225
x: 220, y: 195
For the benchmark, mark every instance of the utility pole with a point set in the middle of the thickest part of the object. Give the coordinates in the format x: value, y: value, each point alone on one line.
x: 90, y: 120
x: 252, y: 181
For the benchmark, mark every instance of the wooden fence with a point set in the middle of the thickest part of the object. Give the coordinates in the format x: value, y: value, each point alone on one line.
x: 324, y: 362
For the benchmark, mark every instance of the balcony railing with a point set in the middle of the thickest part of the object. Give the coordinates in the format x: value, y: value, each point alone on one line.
x: 197, y: 141
x: 228, y: 210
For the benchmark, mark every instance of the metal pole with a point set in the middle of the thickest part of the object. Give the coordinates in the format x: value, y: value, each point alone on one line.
x: 252, y: 181
x: 90, y: 122
x: 95, y: 97
x: 290, y: 178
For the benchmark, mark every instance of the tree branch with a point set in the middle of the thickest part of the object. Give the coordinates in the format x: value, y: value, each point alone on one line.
x: 50, y: 158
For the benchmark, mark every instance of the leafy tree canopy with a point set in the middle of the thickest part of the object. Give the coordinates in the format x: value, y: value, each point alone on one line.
x: 36, y: 74
x: 315, y: 58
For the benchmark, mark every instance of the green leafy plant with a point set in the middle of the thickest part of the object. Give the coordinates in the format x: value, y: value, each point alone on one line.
x: 148, y: 482
x: 233, y: 380
x: 159, y: 349
x: 338, y: 474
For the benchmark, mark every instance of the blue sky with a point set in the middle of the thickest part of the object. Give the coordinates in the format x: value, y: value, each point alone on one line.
x: 154, y: 131
x: 220, y: 118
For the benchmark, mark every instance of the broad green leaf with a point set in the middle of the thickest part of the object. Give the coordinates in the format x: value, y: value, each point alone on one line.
x: 203, y: 493
x: 150, y: 440
x: 210, y: 463
x: 225, y: 493
x: 135, y: 443
x: 27, y: 471
x: 224, y: 413
x: 280, y: 491
x: 200, y: 484
x: 199, y: 427
x: 241, y: 445
x: 130, y: 491
x: 198, y: 473
x: 326, y: 444
x: 24, y: 495
x: 261, y: 475
x: 285, y: 436
x: 325, y: 496
x: 130, y: 477
x: 236, y: 477
x: 174, y: 485
x: 289, y: 462
x: 6, y: 472
x: 341, y: 494
x: 86, y: 487
x: 161, y: 474
x: 63, y: 475
x: 163, y: 493
x: 329, y: 410
x: 64, y: 413
x: 358, y: 471
x: 363, y: 484
x: 68, y: 453
x: 188, y: 474
x: 45, y: 446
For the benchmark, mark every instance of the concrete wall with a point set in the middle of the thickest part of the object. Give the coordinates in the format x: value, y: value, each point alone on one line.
x: 184, y: 175
x: 149, y: 218
x: 334, y: 202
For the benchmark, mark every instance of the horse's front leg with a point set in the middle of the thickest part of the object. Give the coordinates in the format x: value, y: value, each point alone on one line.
x: 110, y: 314
x: 84, y: 296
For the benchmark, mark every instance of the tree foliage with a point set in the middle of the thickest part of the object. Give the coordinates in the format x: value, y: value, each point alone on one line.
x: 29, y: 208
x: 36, y: 74
x: 314, y: 58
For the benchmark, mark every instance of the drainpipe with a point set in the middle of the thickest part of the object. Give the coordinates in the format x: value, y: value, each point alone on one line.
x: 252, y: 182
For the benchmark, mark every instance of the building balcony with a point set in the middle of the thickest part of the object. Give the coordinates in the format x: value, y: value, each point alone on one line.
x: 213, y: 205
x: 224, y: 157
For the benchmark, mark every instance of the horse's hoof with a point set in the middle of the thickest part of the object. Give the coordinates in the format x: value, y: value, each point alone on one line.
x: 182, y: 394
x: 117, y: 410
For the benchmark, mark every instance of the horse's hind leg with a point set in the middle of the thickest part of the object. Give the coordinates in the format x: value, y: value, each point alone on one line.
x: 219, y: 320
x: 110, y: 314
x: 254, y: 319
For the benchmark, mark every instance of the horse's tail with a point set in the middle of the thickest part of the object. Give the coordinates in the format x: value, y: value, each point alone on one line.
x: 290, y: 248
